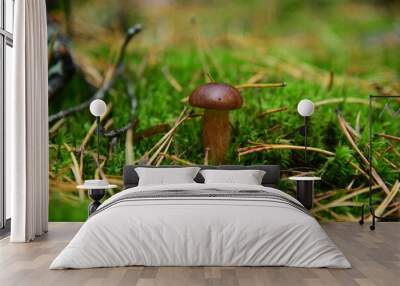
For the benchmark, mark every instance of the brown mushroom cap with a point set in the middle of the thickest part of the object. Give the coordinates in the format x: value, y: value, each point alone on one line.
x: 218, y: 96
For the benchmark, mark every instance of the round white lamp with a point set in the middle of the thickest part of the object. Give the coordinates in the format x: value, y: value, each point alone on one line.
x: 305, y: 108
x: 98, y: 107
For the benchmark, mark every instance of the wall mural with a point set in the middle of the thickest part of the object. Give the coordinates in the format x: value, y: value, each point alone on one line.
x: 145, y: 58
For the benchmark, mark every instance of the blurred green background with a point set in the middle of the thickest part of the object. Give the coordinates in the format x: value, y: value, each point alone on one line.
x: 335, y: 53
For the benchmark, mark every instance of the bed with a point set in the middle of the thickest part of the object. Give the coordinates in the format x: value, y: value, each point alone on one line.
x: 201, y: 224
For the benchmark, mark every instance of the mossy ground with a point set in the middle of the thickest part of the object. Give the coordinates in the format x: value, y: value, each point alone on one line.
x: 289, y: 41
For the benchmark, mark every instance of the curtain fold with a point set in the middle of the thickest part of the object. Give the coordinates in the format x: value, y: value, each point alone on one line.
x: 27, y: 124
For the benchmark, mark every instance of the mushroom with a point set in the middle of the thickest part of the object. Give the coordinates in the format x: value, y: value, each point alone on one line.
x: 217, y: 99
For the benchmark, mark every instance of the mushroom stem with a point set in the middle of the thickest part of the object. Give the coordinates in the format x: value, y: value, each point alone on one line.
x: 216, y: 134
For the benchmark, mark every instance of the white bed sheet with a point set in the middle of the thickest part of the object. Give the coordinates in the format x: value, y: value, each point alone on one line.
x: 202, y: 232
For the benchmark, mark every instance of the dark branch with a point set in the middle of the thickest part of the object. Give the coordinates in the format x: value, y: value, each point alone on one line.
x: 130, y: 92
x: 108, y: 83
x: 62, y: 71
x: 116, y: 132
x: 153, y: 131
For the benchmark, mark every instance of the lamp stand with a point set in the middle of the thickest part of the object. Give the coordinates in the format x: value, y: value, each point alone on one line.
x: 305, y: 138
x: 98, y: 140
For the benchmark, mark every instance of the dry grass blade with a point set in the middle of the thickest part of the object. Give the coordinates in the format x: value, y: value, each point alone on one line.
x: 257, y: 77
x: 166, y: 135
x: 374, y: 174
x: 75, y: 170
x: 350, y: 185
x: 60, y: 186
x: 330, y: 81
x: 390, y: 137
x: 108, y: 124
x: 56, y: 126
x: 206, y: 154
x: 342, y: 199
x: 99, y: 170
x: 160, y: 155
x: 129, y: 147
x: 268, y: 147
x: 358, y: 169
x: 337, y: 217
x: 357, y: 127
x: 388, y: 199
x: 325, y: 195
x: 352, y: 131
x: 200, y: 49
x: 395, y: 209
x: 152, y: 131
x: 343, y: 100
x: 177, y: 159
x: 86, y: 152
x: 172, y: 81
x: 393, y: 165
x: 158, y: 147
x: 260, y: 85
x: 270, y: 111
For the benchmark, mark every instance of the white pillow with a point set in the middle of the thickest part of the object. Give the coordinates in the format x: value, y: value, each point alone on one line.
x: 248, y: 177
x: 164, y: 176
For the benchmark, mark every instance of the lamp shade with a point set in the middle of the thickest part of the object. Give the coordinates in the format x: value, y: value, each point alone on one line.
x: 98, y: 107
x: 305, y: 107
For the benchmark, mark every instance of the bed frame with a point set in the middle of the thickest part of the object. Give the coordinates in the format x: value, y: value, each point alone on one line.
x: 270, y: 179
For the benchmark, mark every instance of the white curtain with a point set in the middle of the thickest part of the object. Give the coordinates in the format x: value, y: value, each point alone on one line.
x: 27, y: 125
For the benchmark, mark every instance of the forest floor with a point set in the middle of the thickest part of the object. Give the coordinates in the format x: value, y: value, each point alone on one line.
x: 335, y: 53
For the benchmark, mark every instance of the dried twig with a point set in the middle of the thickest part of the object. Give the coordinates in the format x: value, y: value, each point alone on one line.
x: 374, y: 174
x: 109, y: 81
x: 206, y: 154
x: 390, y: 137
x: 357, y: 127
x: 343, y: 199
x: 118, y: 131
x: 56, y: 126
x: 99, y: 169
x: 161, y: 155
x: 129, y: 147
x: 361, y: 171
x: 158, y: 147
x: 270, y: 111
x: 177, y: 159
x: 200, y: 48
x: 172, y: 81
x: 330, y: 81
x: 268, y: 147
x: 260, y: 85
x: 345, y: 99
x: 157, y: 129
x: 75, y: 170
x: 388, y: 199
x: 257, y: 77
x: 395, y: 208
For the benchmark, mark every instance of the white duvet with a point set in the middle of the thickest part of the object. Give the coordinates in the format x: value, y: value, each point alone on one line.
x: 200, y: 231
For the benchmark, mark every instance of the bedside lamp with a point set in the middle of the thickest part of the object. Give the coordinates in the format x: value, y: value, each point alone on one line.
x: 305, y: 108
x: 96, y: 188
x: 98, y: 108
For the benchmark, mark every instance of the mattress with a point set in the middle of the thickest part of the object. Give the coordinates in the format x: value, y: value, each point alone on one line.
x: 201, y: 225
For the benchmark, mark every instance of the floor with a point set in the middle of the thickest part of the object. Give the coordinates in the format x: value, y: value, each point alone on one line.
x: 375, y: 257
